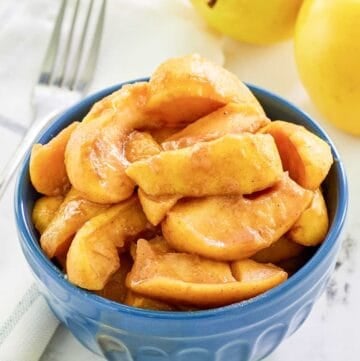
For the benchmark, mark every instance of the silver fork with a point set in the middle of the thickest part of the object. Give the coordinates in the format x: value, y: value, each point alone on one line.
x: 64, y: 75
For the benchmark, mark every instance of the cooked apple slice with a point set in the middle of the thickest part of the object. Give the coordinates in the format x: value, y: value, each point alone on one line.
x: 233, y: 164
x: 265, y: 276
x: 304, y: 155
x: 230, y: 119
x: 115, y: 288
x: 293, y: 264
x: 94, y: 156
x: 71, y: 215
x: 93, y: 254
x: 190, y: 279
x: 156, y: 207
x: 312, y: 226
x: 162, y: 134
x: 280, y: 250
x: 44, y: 211
x: 136, y: 300
x: 60, y: 261
x: 184, y: 89
x: 140, y: 145
x: 235, y: 227
x: 158, y: 244
x: 129, y: 103
x: 47, y: 168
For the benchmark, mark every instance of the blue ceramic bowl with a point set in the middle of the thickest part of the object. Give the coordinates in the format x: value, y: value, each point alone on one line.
x: 244, y: 331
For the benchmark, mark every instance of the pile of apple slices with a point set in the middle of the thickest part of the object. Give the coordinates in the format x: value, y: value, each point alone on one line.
x: 179, y: 193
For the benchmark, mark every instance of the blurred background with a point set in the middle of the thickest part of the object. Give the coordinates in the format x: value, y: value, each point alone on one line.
x: 317, y: 69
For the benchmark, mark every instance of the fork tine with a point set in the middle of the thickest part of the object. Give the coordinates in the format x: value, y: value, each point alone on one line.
x: 52, y: 50
x: 88, y: 70
x: 75, y: 68
x: 65, y: 58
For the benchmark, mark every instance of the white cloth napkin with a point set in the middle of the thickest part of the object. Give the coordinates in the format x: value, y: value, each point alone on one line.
x: 138, y: 35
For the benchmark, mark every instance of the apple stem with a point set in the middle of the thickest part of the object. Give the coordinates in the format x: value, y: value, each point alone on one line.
x: 211, y: 3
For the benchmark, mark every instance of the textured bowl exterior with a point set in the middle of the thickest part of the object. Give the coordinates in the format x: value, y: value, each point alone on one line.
x: 247, y: 331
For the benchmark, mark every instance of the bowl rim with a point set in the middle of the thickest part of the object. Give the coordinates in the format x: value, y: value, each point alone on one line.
x: 29, y: 241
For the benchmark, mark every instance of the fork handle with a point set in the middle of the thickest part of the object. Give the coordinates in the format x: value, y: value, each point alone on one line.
x: 10, y: 168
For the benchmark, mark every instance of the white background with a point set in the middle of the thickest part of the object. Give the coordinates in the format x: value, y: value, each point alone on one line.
x: 137, y: 37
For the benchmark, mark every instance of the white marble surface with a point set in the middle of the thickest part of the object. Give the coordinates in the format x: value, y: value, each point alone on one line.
x: 330, y: 333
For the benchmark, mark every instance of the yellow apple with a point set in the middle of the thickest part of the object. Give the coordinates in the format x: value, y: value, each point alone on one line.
x: 327, y: 50
x: 251, y: 21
